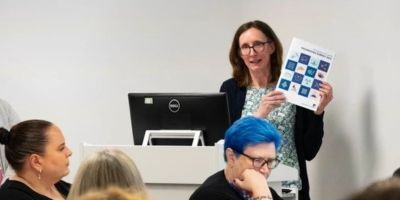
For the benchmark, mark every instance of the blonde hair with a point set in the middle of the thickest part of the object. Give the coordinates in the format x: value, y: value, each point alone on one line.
x: 113, y: 193
x: 104, y: 169
x: 388, y: 189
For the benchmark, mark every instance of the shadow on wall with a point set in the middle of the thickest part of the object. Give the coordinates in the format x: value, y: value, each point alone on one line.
x: 370, y: 150
x: 338, y: 173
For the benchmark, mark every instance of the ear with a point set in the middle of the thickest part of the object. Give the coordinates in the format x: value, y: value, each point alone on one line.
x: 36, y: 162
x: 272, y: 48
x: 230, y: 156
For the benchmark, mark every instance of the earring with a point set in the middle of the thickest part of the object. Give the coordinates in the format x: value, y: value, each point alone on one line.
x: 40, y: 174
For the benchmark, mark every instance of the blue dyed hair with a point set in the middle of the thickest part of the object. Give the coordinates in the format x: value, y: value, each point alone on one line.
x: 249, y: 131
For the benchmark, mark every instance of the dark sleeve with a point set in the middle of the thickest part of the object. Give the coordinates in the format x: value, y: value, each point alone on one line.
x: 309, y: 132
x: 236, y: 97
x: 225, y: 88
x: 63, y: 187
x: 15, y: 196
x: 275, y: 195
x: 13, y: 190
x: 210, y: 194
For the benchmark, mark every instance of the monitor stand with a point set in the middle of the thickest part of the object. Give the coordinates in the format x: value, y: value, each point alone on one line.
x: 196, y: 135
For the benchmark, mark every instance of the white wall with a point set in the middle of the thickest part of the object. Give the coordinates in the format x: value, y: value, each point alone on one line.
x: 73, y: 62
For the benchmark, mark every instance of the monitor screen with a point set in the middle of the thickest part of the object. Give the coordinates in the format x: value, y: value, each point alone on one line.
x: 207, y: 112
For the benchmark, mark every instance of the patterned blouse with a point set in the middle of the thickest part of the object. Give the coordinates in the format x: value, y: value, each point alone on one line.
x: 283, y: 118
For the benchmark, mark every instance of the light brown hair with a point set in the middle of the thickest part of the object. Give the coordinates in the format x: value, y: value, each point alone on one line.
x: 104, y: 169
x: 388, y: 189
x: 113, y: 193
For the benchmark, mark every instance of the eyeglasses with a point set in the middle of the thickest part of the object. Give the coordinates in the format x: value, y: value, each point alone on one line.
x: 260, y: 162
x: 257, y: 47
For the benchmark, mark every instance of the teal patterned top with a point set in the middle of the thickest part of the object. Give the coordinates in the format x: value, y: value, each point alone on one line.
x: 283, y: 118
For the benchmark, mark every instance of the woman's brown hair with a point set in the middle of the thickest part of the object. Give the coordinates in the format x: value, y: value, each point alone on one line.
x: 240, y: 72
x: 25, y: 138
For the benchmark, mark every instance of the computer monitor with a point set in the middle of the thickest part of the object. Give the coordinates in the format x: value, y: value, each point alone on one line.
x: 179, y: 111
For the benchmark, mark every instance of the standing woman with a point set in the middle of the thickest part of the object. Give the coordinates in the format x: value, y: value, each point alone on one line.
x: 37, y: 152
x: 256, y: 59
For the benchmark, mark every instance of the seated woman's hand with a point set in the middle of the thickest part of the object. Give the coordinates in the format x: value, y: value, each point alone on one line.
x: 254, y: 182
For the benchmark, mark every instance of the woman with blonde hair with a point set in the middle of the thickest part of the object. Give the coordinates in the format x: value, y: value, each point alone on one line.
x: 104, y: 169
x: 387, y: 189
x: 114, y: 193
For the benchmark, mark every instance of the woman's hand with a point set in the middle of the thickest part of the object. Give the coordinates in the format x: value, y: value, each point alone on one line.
x: 326, y: 96
x: 253, y: 182
x: 268, y: 102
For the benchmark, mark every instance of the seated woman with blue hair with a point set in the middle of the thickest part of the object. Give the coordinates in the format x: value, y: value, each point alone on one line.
x: 250, y: 149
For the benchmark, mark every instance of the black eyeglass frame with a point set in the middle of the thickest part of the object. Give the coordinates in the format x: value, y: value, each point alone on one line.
x: 271, y: 163
x: 256, y: 45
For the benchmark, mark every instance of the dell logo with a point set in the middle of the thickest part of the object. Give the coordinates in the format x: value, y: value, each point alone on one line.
x: 174, y: 105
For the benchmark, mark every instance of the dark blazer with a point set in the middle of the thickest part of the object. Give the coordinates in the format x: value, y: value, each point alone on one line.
x: 308, y: 130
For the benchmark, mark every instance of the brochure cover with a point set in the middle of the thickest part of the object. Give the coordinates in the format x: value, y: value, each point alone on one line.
x: 305, y: 66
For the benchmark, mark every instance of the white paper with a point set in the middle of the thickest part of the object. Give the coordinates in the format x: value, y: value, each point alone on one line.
x: 305, y: 66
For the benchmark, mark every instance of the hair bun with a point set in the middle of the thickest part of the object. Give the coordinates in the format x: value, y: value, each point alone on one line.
x: 4, y: 136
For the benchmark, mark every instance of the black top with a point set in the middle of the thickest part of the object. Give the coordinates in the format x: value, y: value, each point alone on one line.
x: 308, y: 129
x: 15, y: 190
x: 216, y: 187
